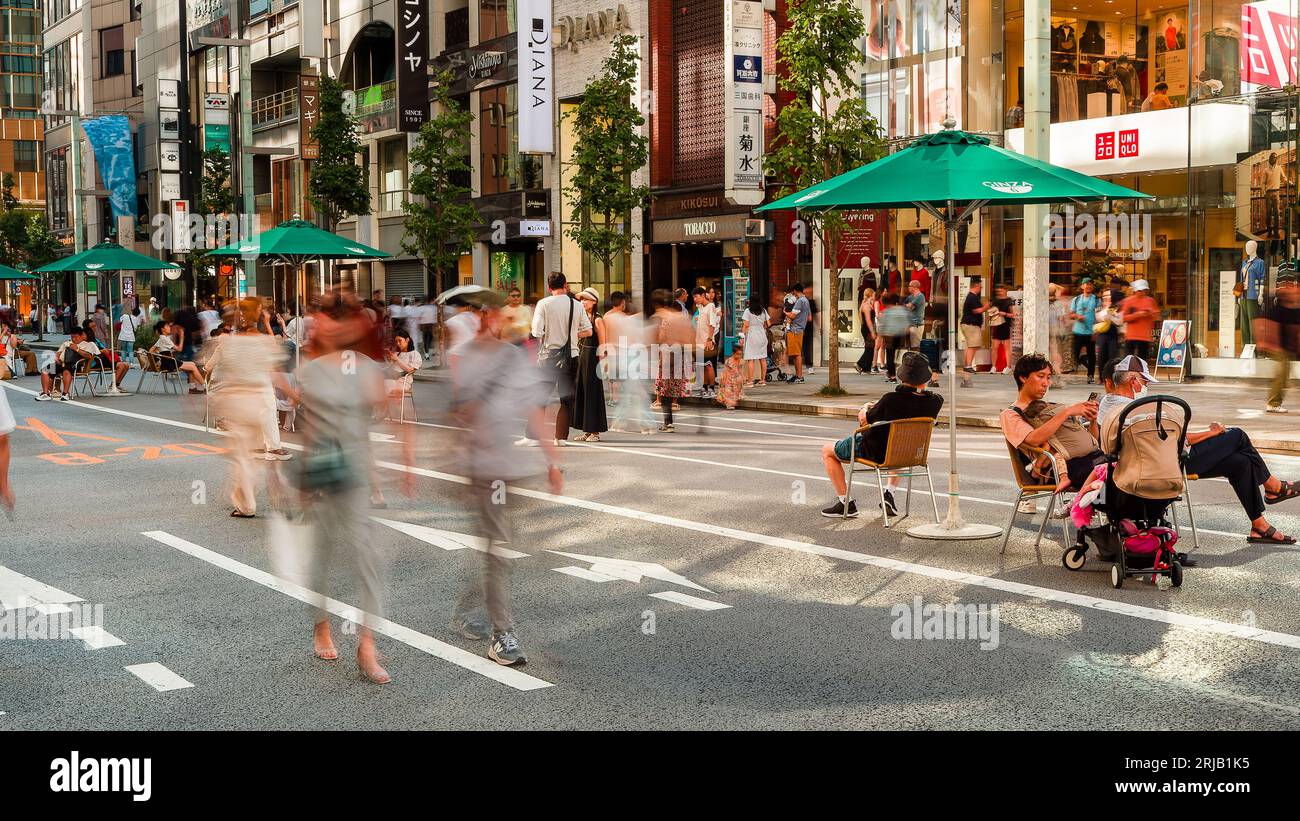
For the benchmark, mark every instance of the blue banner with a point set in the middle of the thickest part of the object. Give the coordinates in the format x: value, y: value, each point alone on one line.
x: 110, y: 139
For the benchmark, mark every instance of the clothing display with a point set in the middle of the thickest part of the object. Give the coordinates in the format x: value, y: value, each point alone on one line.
x: 1072, y: 96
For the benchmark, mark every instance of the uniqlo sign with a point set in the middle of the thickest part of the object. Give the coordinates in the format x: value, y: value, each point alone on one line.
x: 1106, y: 145
x: 1269, y: 37
x: 1128, y: 143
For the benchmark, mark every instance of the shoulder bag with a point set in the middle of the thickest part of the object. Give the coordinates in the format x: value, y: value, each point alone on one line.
x: 559, y: 358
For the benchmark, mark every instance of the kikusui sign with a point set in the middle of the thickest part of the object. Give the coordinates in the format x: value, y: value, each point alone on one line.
x: 412, y: 64
x: 743, y: 132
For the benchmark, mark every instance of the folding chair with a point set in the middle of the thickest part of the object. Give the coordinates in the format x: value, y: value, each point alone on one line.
x: 87, y: 368
x: 151, y: 363
x: 1032, y: 488
x: 1187, y: 497
x: 907, y: 449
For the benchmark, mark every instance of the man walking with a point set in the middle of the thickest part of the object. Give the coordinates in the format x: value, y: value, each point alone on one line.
x: 915, y: 304
x: 707, y: 318
x: 1083, y: 310
x: 1279, y: 337
x: 798, y: 315
x: 558, y: 323
x: 972, y: 324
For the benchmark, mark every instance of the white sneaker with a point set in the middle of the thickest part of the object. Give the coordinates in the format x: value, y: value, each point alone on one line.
x: 43, y: 397
x: 1275, y: 409
x: 525, y: 442
x: 1027, y: 506
x: 560, y: 443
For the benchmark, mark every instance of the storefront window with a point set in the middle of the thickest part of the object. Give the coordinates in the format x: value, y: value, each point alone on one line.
x: 392, y: 174
x: 502, y: 169
x: 496, y: 18
x: 912, y: 69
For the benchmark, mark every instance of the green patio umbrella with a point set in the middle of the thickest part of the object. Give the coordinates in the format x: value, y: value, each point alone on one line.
x: 7, y: 273
x: 294, y: 242
x: 108, y: 257
x: 951, y: 175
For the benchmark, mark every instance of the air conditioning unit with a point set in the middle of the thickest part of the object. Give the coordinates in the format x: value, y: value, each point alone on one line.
x: 758, y: 230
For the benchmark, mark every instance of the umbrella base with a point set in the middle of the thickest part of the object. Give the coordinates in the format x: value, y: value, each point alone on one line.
x: 955, y: 531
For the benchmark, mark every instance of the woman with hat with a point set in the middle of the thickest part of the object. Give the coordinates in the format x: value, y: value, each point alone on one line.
x: 589, y: 397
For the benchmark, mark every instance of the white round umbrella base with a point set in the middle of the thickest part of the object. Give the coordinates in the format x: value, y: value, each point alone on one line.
x: 945, y: 532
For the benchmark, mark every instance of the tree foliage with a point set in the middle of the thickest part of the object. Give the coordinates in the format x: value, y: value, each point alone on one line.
x: 440, y: 219
x: 826, y: 129
x: 339, y: 186
x: 608, y: 148
x: 25, y: 239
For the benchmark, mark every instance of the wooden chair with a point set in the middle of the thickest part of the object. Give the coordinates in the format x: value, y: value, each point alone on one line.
x: 1033, y: 488
x: 907, y: 449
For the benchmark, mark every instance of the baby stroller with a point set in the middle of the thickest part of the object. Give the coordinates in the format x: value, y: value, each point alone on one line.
x: 1144, y: 478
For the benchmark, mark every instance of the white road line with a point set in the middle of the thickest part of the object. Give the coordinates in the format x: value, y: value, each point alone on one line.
x: 1154, y: 614
x: 96, y: 638
x: 584, y: 573
x: 18, y: 591
x: 157, y: 676
x: 448, y: 540
x: 461, y: 658
x: 690, y: 601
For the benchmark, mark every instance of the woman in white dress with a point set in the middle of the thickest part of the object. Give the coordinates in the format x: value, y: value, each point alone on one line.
x: 754, y: 332
x: 7, y: 424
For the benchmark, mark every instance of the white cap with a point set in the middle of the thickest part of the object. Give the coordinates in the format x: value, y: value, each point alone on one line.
x: 1133, y: 364
x: 1141, y: 285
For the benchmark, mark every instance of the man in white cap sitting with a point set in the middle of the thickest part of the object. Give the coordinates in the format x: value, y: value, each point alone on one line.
x: 1217, y: 452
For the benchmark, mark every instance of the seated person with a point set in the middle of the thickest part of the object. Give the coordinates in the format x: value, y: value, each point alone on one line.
x: 909, y: 400
x: 1215, y: 453
x: 65, y: 361
x: 403, y: 363
x: 168, y: 360
x: 11, y: 351
x: 1055, y: 428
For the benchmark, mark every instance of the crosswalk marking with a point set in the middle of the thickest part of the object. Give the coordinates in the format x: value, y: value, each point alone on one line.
x: 157, y: 676
x: 689, y: 600
x: 427, y: 644
x: 18, y: 591
x: 96, y: 637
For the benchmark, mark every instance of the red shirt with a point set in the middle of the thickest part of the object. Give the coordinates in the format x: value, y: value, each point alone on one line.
x: 1139, y: 329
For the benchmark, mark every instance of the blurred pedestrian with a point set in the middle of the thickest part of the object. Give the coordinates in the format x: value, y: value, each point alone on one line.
x: 589, y: 396
x: 708, y: 321
x: 1279, y: 337
x: 1083, y: 310
x: 428, y: 319
x: 627, y: 366
x: 675, y: 337
x: 973, y: 309
x: 1000, y: 315
x: 894, y: 328
x: 1140, y: 313
x: 494, y: 386
x: 7, y: 426
x: 915, y: 303
x: 753, y: 342
x: 732, y: 382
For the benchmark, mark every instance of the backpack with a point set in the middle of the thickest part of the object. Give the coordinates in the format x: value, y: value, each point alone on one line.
x: 1149, y: 464
x: 1071, y: 440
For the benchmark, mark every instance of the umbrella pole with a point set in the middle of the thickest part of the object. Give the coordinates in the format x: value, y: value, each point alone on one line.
x: 953, y: 527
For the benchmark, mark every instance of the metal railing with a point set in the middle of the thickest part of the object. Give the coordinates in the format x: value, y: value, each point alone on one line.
x: 275, y: 108
x: 392, y: 200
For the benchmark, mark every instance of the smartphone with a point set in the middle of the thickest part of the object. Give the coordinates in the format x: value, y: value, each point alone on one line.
x: 1092, y: 397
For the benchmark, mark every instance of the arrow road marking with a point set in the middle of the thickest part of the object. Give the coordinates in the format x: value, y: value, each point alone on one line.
x: 690, y: 601
x: 632, y: 571
x: 584, y: 573
x: 18, y: 592
x: 448, y: 540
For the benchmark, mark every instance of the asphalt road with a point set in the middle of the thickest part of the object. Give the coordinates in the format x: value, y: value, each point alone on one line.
x: 773, y: 616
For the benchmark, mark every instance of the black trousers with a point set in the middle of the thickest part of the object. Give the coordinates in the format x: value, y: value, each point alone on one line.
x: 1107, y: 347
x: 892, y: 347
x: 1231, y: 456
x: 868, y: 349
x: 1137, y: 347
x: 1088, y: 358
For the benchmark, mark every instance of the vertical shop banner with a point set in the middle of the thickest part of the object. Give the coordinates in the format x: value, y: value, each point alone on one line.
x: 309, y: 110
x: 1268, y: 44
x: 216, y: 122
x: 743, y: 71
x: 110, y: 139
x: 536, y: 84
x: 412, y: 64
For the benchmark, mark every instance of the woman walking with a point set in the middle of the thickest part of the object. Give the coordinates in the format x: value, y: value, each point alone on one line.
x: 754, y: 335
x: 867, y: 308
x: 589, y: 399
x: 1000, y: 327
x: 675, y: 337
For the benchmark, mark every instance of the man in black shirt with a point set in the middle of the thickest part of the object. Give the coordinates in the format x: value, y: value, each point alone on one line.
x: 972, y: 323
x: 188, y: 321
x: 1279, y: 337
x: 909, y: 400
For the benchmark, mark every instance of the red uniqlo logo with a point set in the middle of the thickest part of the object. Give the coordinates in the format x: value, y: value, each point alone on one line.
x: 1106, y: 145
x: 1128, y: 143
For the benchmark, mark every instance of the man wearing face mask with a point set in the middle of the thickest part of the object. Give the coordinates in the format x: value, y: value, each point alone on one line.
x: 1214, y: 453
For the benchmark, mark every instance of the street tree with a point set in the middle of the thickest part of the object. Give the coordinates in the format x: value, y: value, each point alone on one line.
x: 825, y: 130
x: 40, y: 248
x: 440, y: 218
x: 608, y: 147
x: 339, y: 186
x: 216, y: 199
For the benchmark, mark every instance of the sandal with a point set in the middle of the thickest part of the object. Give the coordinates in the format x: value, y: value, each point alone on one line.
x: 1267, y: 537
x: 1288, y: 490
x: 239, y: 515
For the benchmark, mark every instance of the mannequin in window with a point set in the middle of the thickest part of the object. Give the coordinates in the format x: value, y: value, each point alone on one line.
x: 1250, y: 292
x: 1275, y: 182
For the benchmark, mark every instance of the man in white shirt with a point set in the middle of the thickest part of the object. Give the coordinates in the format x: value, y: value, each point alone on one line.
x: 428, y: 318
x: 707, y: 319
x: 208, y: 319
x: 65, y: 362
x: 461, y: 330
x: 559, y: 320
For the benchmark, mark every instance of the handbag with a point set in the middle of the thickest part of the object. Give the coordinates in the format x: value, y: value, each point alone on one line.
x: 325, y: 469
x: 1103, y: 324
x: 560, y: 358
x: 995, y: 316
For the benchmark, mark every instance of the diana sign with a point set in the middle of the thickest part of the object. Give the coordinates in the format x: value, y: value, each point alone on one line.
x: 536, y: 81
x: 570, y: 32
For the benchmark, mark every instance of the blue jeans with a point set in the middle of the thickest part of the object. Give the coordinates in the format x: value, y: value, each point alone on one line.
x: 128, y: 349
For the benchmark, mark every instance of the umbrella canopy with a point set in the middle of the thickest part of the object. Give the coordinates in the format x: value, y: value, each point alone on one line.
x: 7, y: 273
x: 957, y: 167
x: 106, y: 256
x: 297, y: 241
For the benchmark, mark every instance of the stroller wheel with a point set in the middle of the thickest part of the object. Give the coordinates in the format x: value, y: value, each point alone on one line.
x: 1116, y: 576
x: 1074, y: 558
x: 1176, y: 574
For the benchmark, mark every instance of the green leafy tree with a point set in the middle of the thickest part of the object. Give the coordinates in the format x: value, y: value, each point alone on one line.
x: 440, y: 219
x: 217, y: 199
x: 826, y: 129
x: 40, y: 248
x: 608, y: 147
x: 25, y: 240
x: 339, y: 186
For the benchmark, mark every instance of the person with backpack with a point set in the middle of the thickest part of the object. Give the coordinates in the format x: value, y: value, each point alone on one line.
x: 1083, y: 310
x: 1067, y: 432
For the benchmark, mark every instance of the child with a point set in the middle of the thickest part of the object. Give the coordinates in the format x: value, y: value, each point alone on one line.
x: 733, y: 377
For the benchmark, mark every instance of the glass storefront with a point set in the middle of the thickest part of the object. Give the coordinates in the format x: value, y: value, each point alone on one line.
x: 1181, y: 101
